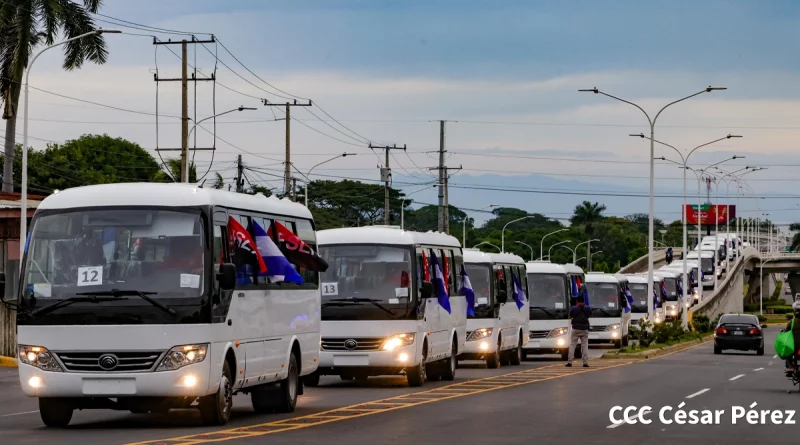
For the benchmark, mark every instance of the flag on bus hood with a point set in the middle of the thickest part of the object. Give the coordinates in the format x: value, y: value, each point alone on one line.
x: 519, y: 294
x: 278, y: 267
x: 629, y: 297
x: 439, y: 283
x: 295, y: 250
x: 244, y: 248
x: 466, y: 289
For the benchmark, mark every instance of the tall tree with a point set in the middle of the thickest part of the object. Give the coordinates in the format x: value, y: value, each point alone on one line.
x: 26, y: 24
x: 588, y: 215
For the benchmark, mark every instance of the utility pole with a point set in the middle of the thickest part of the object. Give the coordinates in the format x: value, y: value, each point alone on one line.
x: 184, y: 80
x: 239, y: 173
x: 294, y: 188
x: 386, y: 177
x: 287, y: 172
x: 442, y: 221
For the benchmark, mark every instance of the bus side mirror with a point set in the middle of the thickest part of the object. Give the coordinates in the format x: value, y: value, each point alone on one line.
x: 502, y: 296
x: 426, y: 291
x: 227, y: 276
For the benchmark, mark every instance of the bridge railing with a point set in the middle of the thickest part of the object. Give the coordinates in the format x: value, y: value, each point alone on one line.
x: 729, y: 294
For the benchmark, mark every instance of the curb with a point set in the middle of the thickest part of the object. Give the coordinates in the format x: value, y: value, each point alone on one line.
x: 660, y: 351
x: 8, y: 362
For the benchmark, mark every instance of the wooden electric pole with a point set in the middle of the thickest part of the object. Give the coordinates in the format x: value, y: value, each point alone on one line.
x: 386, y: 177
x: 287, y: 174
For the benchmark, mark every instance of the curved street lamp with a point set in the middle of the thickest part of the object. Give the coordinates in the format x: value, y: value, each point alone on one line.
x: 541, y: 244
x: 503, y: 233
x: 488, y: 244
x: 528, y: 246
x: 550, y: 250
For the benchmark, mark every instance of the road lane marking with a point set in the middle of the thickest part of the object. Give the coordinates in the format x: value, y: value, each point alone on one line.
x: 774, y: 356
x: 691, y: 396
x: 737, y: 377
x: 391, y: 403
x: 758, y: 369
x: 18, y: 414
x: 637, y: 417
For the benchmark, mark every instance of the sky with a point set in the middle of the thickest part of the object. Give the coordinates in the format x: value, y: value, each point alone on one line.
x: 504, y: 74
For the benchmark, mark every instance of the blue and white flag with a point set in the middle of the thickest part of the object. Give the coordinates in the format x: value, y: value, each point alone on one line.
x: 629, y: 297
x: 574, y: 281
x: 466, y: 289
x: 278, y: 267
x: 441, y: 287
x: 519, y: 294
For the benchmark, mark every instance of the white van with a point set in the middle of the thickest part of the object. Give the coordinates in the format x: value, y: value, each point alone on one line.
x: 131, y: 299
x: 497, y: 329
x: 391, y: 304
x: 708, y: 265
x: 549, y: 292
x: 637, y: 284
x: 692, y: 280
x: 672, y: 299
x: 609, y: 321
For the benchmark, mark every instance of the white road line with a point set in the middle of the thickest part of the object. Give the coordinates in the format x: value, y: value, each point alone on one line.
x: 758, y: 369
x: 737, y: 377
x: 774, y: 356
x: 637, y: 417
x: 18, y: 414
x: 690, y: 396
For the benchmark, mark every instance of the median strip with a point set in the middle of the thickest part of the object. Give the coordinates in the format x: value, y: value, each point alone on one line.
x: 8, y: 362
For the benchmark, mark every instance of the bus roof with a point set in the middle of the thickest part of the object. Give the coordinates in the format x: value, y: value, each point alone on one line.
x: 167, y: 195
x: 600, y: 277
x: 384, y: 235
x: 544, y: 267
x: 700, y: 254
x: 621, y: 278
x: 571, y: 268
x: 633, y: 278
x: 476, y: 256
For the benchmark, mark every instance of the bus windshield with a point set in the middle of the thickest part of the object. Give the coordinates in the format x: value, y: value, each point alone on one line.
x: 548, y: 295
x: 366, y: 282
x: 86, y: 254
x: 639, y: 292
x: 480, y: 278
x: 604, y: 299
x: 670, y: 284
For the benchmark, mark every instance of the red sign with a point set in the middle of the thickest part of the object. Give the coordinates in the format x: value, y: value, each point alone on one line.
x: 710, y: 214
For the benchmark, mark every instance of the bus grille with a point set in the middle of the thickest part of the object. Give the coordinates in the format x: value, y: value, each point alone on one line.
x: 538, y: 334
x: 597, y: 328
x: 128, y: 361
x: 352, y: 344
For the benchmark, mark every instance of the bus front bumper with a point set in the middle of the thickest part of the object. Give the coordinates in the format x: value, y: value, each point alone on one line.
x: 332, y: 361
x: 189, y: 381
x: 545, y: 345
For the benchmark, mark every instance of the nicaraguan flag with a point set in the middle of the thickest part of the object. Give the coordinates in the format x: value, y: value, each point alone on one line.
x: 629, y: 297
x: 441, y: 287
x: 466, y: 289
x: 278, y: 267
x: 574, y: 281
x: 519, y: 294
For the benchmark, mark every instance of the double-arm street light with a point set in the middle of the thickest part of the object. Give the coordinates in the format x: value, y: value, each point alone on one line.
x: 574, y: 261
x: 550, y: 250
x: 685, y: 165
x: 541, y: 245
x: 652, y: 123
x: 526, y: 245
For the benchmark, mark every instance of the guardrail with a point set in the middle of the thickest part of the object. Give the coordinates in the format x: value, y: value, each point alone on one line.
x: 640, y: 264
x: 719, y: 301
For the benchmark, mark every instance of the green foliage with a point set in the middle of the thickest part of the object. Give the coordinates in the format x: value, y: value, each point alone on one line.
x: 427, y: 218
x: 354, y: 203
x: 701, y: 323
x: 668, y: 331
x: 777, y: 293
x: 779, y: 308
x: 761, y: 318
x: 641, y: 333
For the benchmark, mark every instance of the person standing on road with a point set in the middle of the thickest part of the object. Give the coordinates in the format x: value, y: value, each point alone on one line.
x: 579, y: 319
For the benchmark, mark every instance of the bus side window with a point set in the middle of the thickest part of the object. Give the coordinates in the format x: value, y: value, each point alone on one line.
x: 445, y: 258
x: 305, y: 231
x: 246, y: 270
x: 458, y: 263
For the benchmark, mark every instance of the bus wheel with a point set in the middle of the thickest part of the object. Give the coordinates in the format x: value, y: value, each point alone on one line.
x: 448, y: 367
x: 416, y: 375
x: 215, y: 409
x: 515, y: 355
x: 311, y: 380
x: 493, y: 359
x: 55, y: 413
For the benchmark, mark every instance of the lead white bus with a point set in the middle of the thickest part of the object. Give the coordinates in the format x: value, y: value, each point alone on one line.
x: 130, y: 300
x: 549, y: 291
x: 609, y: 321
x: 382, y: 313
x: 498, y: 330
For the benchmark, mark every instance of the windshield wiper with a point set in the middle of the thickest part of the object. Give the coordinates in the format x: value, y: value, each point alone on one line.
x: 116, y: 293
x: 361, y: 300
x: 604, y: 311
x: 68, y: 301
x: 541, y: 308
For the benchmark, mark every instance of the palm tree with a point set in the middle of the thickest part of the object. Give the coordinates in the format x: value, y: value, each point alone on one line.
x: 586, y: 214
x: 26, y: 24
x: 174, y: 172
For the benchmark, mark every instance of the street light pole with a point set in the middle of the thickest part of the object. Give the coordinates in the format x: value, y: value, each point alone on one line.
x: 574, y: 261
x: 550, y: 250
x: 464, y: 224
x: 503, y: 233
x: 591, y: 254
x: 573, y: 252
x: 650, y: 230
x: 308, y: 174
x: 541, y: 244
x: 23, y: 220
x: 528, y: 246
x: 488, y: 244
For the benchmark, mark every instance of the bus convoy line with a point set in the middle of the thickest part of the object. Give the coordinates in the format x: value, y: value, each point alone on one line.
x: 467, y: 388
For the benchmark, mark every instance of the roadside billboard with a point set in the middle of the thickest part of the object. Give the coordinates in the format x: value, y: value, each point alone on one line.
x: 710, y: 214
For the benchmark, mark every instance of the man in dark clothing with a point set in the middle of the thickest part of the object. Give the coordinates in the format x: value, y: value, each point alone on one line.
x: 790, y: 362
x: 669, y: 255
x: 579, y: 319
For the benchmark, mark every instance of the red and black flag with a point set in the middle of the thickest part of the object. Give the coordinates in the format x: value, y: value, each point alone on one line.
x: 243, y: 247
x: 295, y: 250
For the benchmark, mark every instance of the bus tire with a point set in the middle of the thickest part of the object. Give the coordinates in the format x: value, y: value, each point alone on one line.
x: 493, y: 359
x: 448, y: 366
x: 55, y: 413
x: 215, y: 409
x: 515, y: 355
x: 289, y: 388
x: 311, y: 380
x: 416, y: 376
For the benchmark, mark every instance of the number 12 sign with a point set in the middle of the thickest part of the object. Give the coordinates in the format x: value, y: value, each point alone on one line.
x: 90, y: 276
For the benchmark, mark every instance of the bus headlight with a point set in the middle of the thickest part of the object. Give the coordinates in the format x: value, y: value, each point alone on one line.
x: 398, y: 340
x: 612, y: 327
x: 557, y: 332
x: 181, y: 356
x: 479, y: 334
x: 39, y: 357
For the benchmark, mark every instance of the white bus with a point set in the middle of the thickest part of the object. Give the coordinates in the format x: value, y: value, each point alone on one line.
x: 498, y: 330
x: 549, y: 292
x: 130, y: 300
x: 694, y: 292
x: 671, y: 303
x: 609, y: 321
x: 706, y: 258
x: 637, y: 284
x: 382, y: 312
